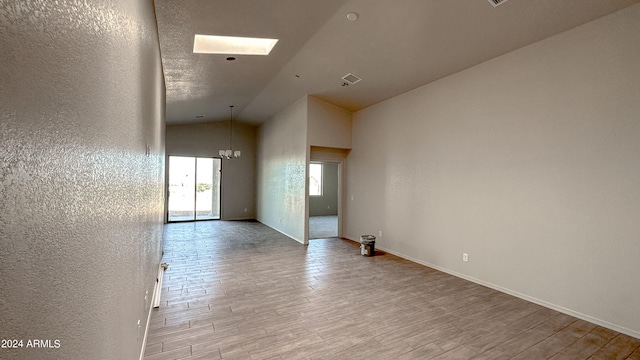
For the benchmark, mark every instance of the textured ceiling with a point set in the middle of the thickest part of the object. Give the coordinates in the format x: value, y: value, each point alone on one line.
x: 394, y: 46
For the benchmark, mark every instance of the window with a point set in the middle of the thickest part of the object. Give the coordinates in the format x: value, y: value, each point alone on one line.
x: 315, y: 179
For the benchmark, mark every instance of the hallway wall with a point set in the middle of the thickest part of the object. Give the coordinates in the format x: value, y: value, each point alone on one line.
x: 283, y: 154
x: 81, y: 175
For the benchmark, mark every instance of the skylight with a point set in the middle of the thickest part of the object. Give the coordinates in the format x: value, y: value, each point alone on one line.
x: 232, y: 45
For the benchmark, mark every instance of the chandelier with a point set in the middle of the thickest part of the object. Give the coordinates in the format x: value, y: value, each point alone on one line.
x: 229, y: 153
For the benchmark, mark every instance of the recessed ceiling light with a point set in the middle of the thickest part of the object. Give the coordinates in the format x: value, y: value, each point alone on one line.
x: 213, y: 44
x: 352, y: 16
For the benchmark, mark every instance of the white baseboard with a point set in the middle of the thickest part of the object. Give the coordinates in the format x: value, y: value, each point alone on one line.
x: 157, y: 290
x: 146, y: 330
x: 534, y: 300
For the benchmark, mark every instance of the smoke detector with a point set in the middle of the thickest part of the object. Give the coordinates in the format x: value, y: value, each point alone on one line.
x: 495, y: 3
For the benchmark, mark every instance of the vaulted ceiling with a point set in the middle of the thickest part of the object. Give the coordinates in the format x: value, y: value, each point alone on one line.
x: 393, y: 46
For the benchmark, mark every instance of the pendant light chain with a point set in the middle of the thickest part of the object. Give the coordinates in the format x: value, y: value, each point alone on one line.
x: 229, y: 153
x: 231, y: 129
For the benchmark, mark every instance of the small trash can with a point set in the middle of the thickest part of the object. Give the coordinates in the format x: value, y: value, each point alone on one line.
x: 367, y: 245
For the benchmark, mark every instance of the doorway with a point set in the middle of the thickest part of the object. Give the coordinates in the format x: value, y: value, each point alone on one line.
x: 193, y: 188
x: 323, y: 199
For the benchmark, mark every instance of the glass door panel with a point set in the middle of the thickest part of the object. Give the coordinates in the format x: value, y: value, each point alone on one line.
x: 194, y: 188
x: 182, y: 171
x: 207, y: 189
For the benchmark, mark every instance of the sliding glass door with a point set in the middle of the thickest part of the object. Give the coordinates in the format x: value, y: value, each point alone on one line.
x: 194, y: 188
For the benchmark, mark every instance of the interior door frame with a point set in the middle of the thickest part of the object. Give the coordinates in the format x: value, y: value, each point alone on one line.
x: 330, y: 155
x: 340, y: 209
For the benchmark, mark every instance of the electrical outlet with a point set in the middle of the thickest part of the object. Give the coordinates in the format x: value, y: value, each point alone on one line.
x: 245, y: 209
x: 465, y: 257
x: 139, y: 328
x: 380, y: 233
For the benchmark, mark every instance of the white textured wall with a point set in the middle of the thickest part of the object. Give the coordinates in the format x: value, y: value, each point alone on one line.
x: 328, y: 125
x: 282, y: 155
x: 81, y: 204
x: 528, y: 162
x: 238, y: 174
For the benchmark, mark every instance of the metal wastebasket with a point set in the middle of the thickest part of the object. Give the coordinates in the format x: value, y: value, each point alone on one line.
x: 367, y: 245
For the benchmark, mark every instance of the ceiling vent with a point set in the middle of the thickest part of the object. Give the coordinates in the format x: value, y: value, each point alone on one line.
x: 497, y: 2
x: 351, y: 79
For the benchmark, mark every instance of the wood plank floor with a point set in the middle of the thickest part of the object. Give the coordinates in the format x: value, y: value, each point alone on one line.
x: 239, y: 290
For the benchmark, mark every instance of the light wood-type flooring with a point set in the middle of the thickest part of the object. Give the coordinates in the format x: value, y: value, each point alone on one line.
x: 240, y: 290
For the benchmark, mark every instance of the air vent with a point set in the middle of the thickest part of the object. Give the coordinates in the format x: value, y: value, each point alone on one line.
x: 497, y: 2
x: 351, y: 79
